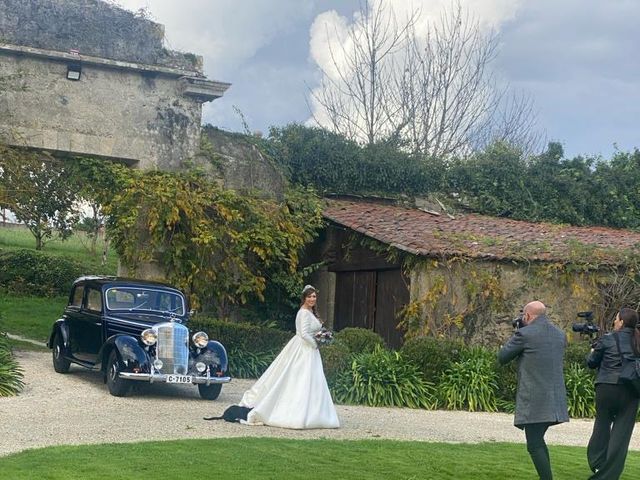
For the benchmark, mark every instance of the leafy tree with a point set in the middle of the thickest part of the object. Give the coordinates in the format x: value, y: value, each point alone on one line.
x: 218, y: 245
x: 333, y: 164
x: 502, y: 181
x: 559, y: 187
x: 313, y: 156
x: 492, y: 181
x: 615, y: 194
x: 95, y: 180
x: 35, y: 187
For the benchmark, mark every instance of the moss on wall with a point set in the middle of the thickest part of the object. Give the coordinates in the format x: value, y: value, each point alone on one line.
x: 477, y: 300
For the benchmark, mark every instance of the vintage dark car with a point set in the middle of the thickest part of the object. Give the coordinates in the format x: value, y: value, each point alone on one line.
x: 135, y: 330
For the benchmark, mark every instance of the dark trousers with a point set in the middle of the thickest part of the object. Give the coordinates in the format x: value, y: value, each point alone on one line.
x: 537, y: 448
x: 616, y: 411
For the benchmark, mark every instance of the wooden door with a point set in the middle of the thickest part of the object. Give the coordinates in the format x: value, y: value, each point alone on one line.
x: 371, y: 299
x: 355, y: 299
x: 392, y: 295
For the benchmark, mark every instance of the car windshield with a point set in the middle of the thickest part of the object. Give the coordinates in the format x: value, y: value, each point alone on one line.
x: 146, y: 299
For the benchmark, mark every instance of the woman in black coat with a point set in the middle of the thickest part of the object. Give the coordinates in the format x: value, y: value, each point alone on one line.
x: 616, y: 406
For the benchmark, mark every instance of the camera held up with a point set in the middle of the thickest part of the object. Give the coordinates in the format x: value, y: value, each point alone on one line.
x: 587, y: 327
x: 518, y: 322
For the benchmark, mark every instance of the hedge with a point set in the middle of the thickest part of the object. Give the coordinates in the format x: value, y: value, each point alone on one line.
x: 30, y: 272
x: 241, y: 335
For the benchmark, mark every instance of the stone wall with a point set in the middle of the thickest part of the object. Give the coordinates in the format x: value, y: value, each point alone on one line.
x: 138, y: 116
x: 93, y: 27
x: 240, y: 165
x: 491, y: 294
x: 133, y: 100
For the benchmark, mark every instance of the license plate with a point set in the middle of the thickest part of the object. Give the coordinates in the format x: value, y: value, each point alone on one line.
x: 179, y: 379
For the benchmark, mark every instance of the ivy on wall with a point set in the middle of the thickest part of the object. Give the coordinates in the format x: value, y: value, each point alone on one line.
x: 217, y: 245
x: 443, y: 310
x: 463, y: 295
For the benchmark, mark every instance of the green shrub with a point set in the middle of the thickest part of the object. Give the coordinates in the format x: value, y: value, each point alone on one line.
x: 359, y: 340
x: 241, y: 335
x: 10, y: 372
x: 432, y: 355
x: 29, y: 272
x: 576, y: 353
x: 470, y: 383
x: 506, y: 386
x: 251, y: 348
x: 383, y: 379
x: 245, y: 364
x: 580, y: 391
x: 336, y: 359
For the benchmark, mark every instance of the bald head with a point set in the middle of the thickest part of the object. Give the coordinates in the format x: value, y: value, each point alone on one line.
x: 534, y: 310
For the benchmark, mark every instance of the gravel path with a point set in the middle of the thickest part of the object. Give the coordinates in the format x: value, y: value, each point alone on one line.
x: 76, y: 408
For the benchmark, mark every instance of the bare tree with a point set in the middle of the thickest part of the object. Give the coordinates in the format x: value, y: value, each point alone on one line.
x: 434, y: 93
x: 356, y: 94
x: 514, y: 122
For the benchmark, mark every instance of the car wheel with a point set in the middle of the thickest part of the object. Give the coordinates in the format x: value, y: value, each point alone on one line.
x: 210, y: 392
x: 60, y: 364
x: 118, y: 387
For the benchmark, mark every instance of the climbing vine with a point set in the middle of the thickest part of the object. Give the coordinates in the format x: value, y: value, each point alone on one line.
x: 459, y: 296
x: 217, y: 245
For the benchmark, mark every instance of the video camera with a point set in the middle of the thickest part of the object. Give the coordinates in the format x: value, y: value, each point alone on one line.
x: 517, y: 322
x: 587, y: 327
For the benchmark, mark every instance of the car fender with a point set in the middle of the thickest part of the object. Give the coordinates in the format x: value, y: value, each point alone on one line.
x: 61, y: 326
x: 131, y: 353
x: 214, y: 354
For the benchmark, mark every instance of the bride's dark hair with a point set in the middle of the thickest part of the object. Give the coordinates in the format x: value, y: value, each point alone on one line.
x: 306, y: 291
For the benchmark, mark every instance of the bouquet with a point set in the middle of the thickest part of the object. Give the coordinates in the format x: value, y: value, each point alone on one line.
x: 324, y: 337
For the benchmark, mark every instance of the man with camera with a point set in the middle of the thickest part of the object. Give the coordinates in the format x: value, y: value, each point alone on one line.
x: 541, y: 400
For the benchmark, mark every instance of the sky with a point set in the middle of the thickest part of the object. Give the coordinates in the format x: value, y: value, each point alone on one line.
x: 576, y: 59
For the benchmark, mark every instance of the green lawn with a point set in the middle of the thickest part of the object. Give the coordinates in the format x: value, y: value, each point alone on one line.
x: 268, y: 458
x: 30, y: 317
x: 18, y: 237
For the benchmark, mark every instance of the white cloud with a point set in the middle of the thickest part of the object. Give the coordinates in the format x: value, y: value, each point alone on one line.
x: 329, y: 34
x: 227, y: 33
x: 332, y: 36
x: 329, y: 31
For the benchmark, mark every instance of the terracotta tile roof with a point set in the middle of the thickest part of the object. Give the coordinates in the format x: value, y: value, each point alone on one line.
x: 422, y: 233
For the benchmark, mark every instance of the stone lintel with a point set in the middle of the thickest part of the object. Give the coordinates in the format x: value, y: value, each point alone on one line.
x: 202, y: 89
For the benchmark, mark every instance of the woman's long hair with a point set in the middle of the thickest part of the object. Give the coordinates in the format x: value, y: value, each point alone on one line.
x: 629, y: 319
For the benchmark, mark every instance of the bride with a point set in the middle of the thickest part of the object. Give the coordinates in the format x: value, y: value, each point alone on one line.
x: 293, y: 392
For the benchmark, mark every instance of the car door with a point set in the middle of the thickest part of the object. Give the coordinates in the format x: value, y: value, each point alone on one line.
x: 88, y: 326
x: 73, y: 316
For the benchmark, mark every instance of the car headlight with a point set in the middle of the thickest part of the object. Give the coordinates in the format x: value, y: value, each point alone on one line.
x: 200, y: 339
x: 149, y: 336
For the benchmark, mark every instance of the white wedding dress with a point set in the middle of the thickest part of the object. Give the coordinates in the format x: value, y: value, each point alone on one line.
x: 293, y: 391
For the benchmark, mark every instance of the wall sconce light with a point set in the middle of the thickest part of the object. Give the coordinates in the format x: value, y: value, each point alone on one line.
x: 73, y: 71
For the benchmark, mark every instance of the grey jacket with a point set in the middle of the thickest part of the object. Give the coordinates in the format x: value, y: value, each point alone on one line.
x: 605, y: 356
x: 539, y: 348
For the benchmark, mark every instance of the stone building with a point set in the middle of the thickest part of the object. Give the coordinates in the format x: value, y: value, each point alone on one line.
x: 85, y: 77
x: 399, y: 270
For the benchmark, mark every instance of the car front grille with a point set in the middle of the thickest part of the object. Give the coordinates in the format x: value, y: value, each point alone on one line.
x: 173, y: 347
